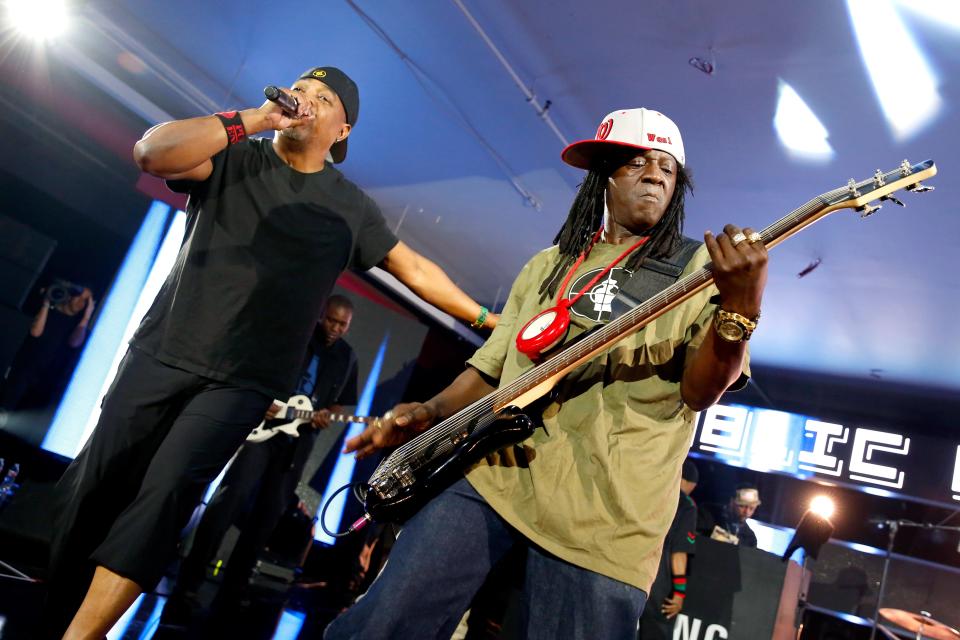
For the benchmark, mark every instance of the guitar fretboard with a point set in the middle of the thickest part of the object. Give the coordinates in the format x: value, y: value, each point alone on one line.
x: 304, y: 414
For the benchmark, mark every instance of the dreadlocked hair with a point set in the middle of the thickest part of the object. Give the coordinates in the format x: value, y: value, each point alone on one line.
x: 586, y: 216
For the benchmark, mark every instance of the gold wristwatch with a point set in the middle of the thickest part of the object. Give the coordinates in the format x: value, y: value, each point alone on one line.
x: 733, y: 327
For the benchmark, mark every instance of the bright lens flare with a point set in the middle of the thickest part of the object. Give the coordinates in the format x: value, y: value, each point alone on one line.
x: 822, y: 506
x: 942, y: 12
x: 904, y: 82
x: 38, y: 19
x: 798, y: 128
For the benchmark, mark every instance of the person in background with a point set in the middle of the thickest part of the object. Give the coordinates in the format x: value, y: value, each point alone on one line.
x: 61, y: 323
x: 260, y: 484
x: 670, y: 586
x: 728, y: 522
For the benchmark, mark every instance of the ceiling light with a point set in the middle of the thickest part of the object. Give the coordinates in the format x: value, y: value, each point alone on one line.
x: 822, y: 506
x: 798, y: 128
x: 902, y: 79
x: 942, y: 12
x: 38, y: 19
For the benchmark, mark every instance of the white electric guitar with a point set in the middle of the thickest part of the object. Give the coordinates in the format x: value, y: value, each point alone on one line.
x: 294, y: 412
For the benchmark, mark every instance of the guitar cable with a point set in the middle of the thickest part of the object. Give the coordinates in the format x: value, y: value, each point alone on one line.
x: 361, y: 522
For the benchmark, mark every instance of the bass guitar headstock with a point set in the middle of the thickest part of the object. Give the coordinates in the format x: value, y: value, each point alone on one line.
x: 865, y: 196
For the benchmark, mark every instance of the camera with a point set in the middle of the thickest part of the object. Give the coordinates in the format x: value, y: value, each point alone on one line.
x: 61, y: 291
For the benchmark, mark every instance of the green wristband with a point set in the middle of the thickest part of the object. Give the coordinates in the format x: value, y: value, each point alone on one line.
x: 480, y: 318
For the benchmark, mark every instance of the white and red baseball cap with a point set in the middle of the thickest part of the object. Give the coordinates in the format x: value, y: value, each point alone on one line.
x: 626, y: 129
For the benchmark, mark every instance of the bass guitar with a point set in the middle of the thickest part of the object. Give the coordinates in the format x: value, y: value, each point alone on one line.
x: 294, y: 412
x: 425, y: 465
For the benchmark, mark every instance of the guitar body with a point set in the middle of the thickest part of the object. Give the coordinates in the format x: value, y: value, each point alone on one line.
x: 407, y: 488
x: 283, y: 422
x: 296, y: 411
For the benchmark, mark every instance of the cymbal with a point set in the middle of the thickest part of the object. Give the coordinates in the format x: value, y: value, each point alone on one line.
x: 914, y: 622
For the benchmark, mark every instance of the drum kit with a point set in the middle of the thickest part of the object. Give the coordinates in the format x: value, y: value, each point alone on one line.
x: 919, y: 623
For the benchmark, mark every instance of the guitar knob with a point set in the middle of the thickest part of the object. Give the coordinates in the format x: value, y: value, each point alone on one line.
x: 869, y: 209
x: 919, y: 188
x: 894, y: 200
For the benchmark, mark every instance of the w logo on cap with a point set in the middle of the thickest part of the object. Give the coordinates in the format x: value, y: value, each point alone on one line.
x: 652, y: 137
x: 604, y: 129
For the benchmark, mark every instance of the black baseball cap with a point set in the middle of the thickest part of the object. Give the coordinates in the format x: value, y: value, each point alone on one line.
x: 346, y: 90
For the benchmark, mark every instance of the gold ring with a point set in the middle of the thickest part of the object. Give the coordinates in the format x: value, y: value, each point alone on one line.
x: 377, y: 424
x: 753, y: 237
x: 738, y: 238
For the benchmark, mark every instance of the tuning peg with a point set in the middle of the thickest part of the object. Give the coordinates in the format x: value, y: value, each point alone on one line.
x: 852, y: 188
x: 919, y: 188
x: 894, y: 200
x: 869, y: 209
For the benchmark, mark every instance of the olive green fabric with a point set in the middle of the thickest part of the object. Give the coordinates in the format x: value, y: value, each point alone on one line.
x: 598, y: 488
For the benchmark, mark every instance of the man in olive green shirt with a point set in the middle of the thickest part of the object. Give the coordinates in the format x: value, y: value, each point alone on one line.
x: 592, y: 494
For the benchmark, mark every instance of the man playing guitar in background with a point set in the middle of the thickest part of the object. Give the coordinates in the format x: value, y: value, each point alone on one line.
x: 259, y: 486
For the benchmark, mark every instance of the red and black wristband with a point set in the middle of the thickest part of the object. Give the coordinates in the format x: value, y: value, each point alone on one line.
x: 679, y: 586
x: 233, y: 124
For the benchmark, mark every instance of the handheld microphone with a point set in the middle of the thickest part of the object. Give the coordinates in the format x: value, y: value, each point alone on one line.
x: 286, y: 102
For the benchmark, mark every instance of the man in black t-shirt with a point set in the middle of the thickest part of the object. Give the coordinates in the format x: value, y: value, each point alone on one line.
x: 670, y: 586
x: 271, y: 224
x: 259, y: 485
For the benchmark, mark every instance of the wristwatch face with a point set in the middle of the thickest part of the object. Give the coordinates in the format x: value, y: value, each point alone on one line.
x: 730, y: 330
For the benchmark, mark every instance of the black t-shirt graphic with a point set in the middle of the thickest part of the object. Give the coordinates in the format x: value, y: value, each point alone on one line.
x: 263, y: 247
x: 595, y: 303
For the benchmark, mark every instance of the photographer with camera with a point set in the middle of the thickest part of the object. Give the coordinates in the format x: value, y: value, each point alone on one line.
x: 68, y: 299
x: 62, y: 319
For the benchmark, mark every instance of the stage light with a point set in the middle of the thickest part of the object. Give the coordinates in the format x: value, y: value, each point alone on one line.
x: 38, y: 19
x: 144, y: 269
x: 290, y: 625
x: 903, y: 81
x: 822, y: 506
x: 812, y: 532
x: 941, y: 12
x: 770, y: 447
x: 798, y: 128
x: 343, y: 469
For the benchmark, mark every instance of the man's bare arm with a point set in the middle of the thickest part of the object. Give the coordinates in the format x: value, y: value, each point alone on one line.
x: 181, y: 149
x: 431, y: 283
x: 409, y: 420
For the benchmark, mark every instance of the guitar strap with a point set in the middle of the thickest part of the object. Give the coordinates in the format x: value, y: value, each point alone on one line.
x: 653, y: 276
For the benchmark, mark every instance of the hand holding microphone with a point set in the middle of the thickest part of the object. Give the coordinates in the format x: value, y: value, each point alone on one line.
x: 284, y: 100
x: 293, y: 112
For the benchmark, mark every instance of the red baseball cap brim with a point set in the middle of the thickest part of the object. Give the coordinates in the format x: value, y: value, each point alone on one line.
x: 586, y: 153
